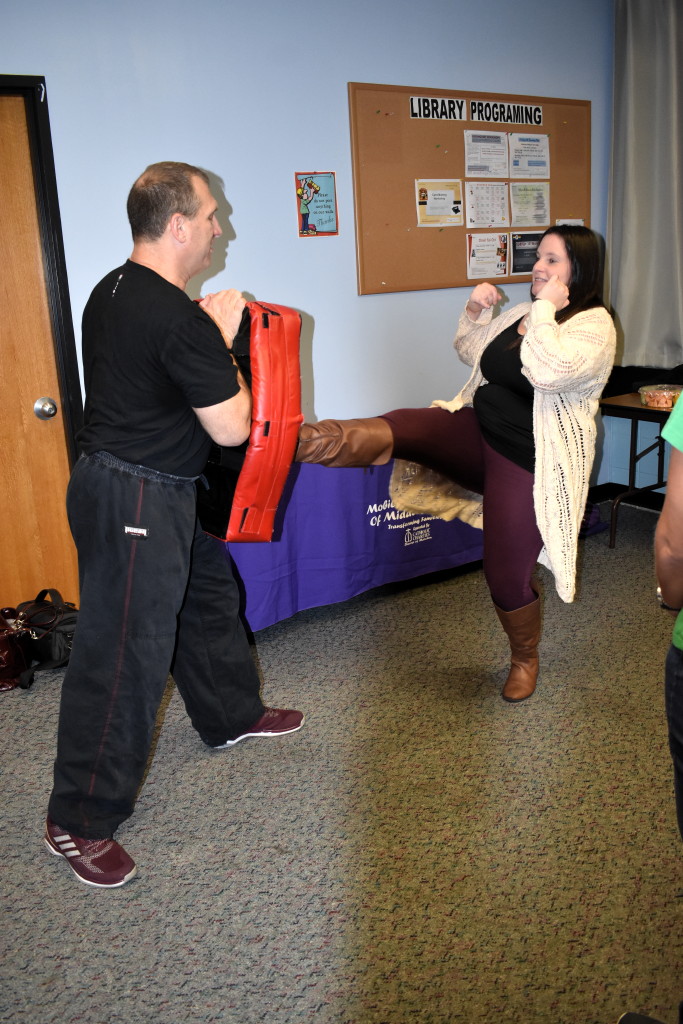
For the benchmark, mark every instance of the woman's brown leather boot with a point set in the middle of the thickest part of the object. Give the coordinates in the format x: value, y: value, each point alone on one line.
x: 346, y: 442
x: 523, y: 627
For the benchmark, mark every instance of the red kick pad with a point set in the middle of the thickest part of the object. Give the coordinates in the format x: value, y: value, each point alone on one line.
x: 274, y: 376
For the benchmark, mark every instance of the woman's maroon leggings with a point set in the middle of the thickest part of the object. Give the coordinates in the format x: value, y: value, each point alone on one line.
x: 452, y: 444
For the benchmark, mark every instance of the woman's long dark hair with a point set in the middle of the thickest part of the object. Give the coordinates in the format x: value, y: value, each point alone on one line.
x: 585, y: 258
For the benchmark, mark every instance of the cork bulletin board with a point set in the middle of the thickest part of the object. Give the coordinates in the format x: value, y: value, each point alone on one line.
x: 425, y: 182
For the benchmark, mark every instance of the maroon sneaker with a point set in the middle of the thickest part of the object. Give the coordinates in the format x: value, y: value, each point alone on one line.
x: 99, y: 862
x: 273, y: 722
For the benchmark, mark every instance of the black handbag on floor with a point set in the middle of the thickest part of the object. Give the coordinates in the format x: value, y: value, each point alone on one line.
x: 51, y: 622
x: 14, y: 655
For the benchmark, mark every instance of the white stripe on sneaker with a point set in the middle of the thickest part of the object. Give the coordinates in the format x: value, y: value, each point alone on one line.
x: 66, y: 846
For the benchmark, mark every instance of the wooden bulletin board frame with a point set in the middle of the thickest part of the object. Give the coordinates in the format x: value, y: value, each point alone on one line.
x: 391, y: 150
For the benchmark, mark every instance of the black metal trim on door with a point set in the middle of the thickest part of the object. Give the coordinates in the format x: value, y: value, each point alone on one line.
x: 32, y: 89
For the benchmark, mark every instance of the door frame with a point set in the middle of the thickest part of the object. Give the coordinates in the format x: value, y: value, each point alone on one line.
x: 32, y: 89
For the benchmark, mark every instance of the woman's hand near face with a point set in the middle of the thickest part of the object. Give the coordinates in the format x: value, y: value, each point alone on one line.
x: 483, y: 296
x: 554, y: 291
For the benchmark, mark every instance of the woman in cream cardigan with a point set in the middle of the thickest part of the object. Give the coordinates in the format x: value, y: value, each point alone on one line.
x: 512, y: 452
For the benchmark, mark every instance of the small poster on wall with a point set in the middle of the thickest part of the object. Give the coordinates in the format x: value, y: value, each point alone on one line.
x: 316, y: 198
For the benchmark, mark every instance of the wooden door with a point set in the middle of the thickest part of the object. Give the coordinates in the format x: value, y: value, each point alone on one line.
x: 36, y: 549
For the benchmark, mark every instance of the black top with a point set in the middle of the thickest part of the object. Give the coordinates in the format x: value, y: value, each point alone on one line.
x: 505, y: 404
x: 151, y: 354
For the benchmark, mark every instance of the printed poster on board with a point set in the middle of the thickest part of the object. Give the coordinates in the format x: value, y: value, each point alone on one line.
x: 487, y: 255
x: 439, y: 203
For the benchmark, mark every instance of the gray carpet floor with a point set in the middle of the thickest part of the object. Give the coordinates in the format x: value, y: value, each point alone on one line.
x: 421, y: 851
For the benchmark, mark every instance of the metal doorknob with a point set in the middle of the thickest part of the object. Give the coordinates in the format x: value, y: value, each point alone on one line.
x: 45, y: 408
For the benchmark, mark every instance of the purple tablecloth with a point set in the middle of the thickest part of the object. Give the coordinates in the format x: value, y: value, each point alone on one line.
x: 336, y: 535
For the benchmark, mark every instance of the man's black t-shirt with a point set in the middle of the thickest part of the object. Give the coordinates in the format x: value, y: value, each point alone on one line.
x: 150, y: 355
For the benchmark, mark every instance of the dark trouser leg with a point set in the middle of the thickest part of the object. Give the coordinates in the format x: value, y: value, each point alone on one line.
x: 213, y: 666
x: 674, y: 716
x: 132, y: 590
x: 512, y: 542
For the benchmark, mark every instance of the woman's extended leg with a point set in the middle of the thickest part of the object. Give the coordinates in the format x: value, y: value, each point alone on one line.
x: 448, y: 442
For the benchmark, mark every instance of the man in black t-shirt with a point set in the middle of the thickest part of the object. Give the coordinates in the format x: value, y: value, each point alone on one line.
x: 157, y: 594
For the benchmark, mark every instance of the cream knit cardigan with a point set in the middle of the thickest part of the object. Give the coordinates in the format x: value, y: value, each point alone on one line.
x: 568, y: 365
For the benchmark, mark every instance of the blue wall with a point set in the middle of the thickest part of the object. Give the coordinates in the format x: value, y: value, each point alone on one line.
x: 257, y: 91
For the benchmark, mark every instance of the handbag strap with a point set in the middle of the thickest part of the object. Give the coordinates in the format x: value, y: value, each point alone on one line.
x: 54, y: 595
x: 55, y: 605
